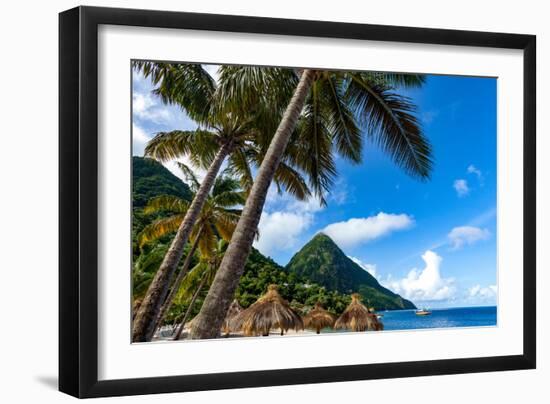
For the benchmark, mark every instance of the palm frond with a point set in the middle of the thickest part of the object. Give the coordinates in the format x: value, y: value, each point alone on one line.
x: 239, y: 92
x: 342, y: 123
x: 189, y: 175
x: 199, y: 145
x: 159, y: 228
x: 240, y: 85
x: 311, y: 147
x: 394, y: 80
x: 144, y: 269
x: 390, y: 121
x: 191, y: 282
x: 292, y: 181
x: 207, y: 241
x: 166, y: 202
x: 226, y: 192
x: 229, y: 199
x: 225, y: 184
x: 185, y: 84
x: 239, y: 167
x: 225, y: 223
x: 154, y: 70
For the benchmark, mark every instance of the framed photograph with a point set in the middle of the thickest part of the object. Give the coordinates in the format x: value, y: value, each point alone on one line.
x: 252, y: 202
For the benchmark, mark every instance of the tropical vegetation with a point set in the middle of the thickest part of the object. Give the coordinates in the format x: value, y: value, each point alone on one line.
x: 328, y: 113
x: 186, y: 300
x: 269, y: 127
x: 221, y: 134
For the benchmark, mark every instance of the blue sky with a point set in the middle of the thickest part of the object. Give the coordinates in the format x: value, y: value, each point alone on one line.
x: 433, y: 242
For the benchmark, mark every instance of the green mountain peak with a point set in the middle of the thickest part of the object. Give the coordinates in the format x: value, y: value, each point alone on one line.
x: 323, y: 262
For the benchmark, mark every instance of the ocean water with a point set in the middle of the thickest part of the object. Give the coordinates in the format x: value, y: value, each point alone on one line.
x: 440, y: 318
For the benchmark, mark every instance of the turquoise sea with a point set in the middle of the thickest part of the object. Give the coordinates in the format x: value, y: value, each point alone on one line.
x: 440, y: 318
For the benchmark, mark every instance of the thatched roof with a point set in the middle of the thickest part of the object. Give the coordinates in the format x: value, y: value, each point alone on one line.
x: 269, y: 311
x: 234, y: 310
x: 357, y: 317
x: 318, y: 318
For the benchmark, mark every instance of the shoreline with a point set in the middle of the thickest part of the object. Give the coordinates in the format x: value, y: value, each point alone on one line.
x: 415, y: 323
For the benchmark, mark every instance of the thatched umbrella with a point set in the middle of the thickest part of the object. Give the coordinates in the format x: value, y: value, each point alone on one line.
x: 318, y: 318
x: 269, y: 311
x: 357, y: 317
x: 234, y: 310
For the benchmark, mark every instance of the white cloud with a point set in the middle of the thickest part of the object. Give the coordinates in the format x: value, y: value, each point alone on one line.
x: 284, y: 201
x: 426, y: 284
x: 362, y: 230
x: 461, y: 187
x: 281, y: 230
x: 482, y: 293
x: 284, y: 221
x: 311, y: 205
x: 147, y: 107
x: 466, y: 235
x: 474, y: 170
x: 370, y: 268
x: 139, y: 140
x: 339, y: 196
x: 340, y: 192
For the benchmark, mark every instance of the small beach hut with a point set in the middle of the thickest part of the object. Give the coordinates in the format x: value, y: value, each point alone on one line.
x: 234, y: 310
x: 269, y: 311
x: 357, y: 317
x: 318, y: 318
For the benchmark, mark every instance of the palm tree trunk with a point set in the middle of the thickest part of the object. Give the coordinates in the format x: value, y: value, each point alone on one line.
x: 190, y: 308
x: 144, y: 323
x: 210, y: 318
x: 177, y: 283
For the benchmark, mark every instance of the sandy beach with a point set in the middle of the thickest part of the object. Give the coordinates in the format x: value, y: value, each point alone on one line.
x: 167, y: 334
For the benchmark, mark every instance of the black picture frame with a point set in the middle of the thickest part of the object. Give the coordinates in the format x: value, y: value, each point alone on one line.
x: 78, y: 203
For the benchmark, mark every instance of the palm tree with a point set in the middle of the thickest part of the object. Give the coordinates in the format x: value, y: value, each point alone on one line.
x: 217, y: 218
x: 221, y: 134
x: 202, y: 275
x: 327, y: 108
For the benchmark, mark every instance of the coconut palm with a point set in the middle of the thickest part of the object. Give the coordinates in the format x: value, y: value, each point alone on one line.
x: 357, y: 317
x: 318, y: 318
x: 221, y: 134
x: 269, y: 311
x: 206, y: 271
x: 325, y: 113
x: 218, y: 217
x: 201, y: 276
